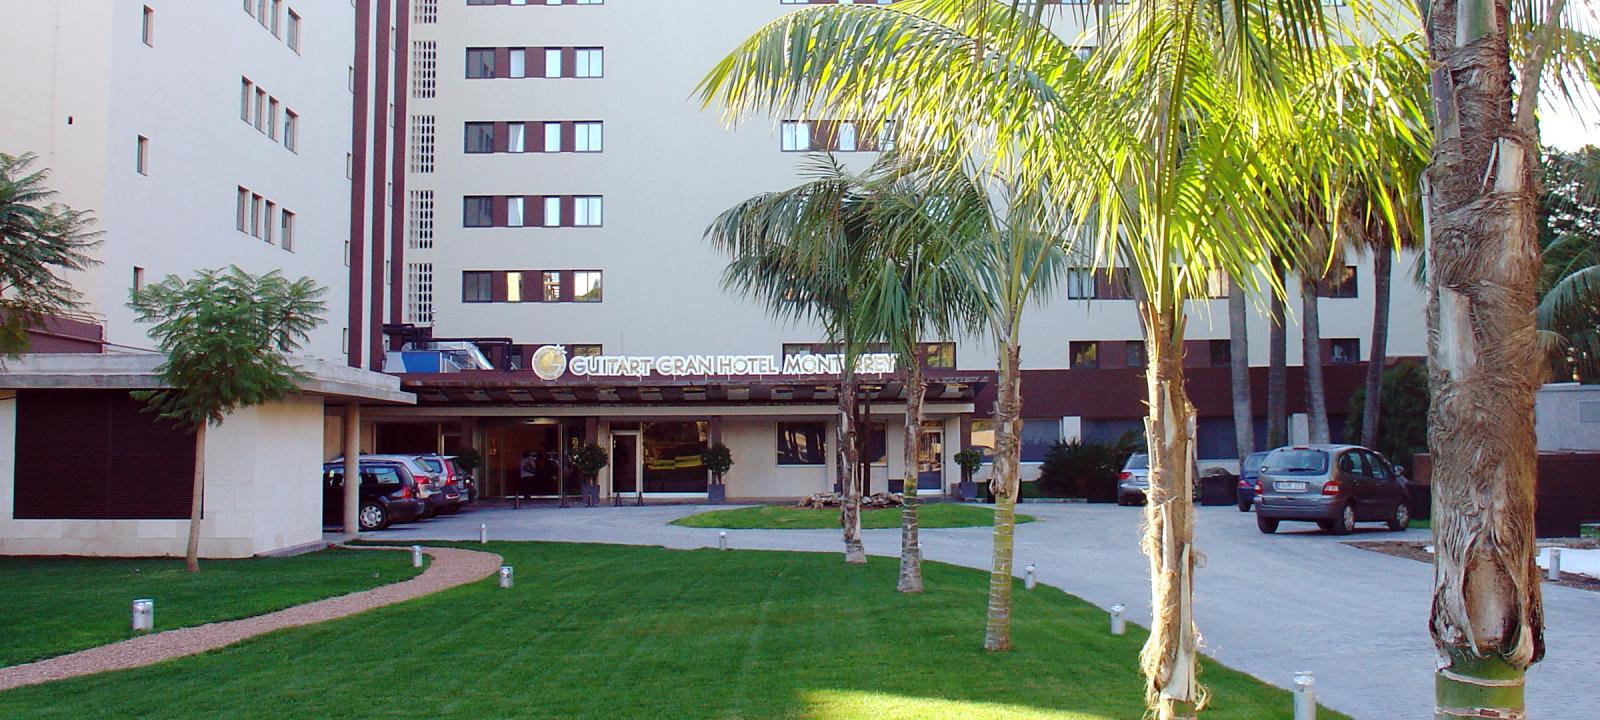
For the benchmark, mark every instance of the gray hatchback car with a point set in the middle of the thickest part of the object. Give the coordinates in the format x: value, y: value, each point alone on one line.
x: 1335, y: 486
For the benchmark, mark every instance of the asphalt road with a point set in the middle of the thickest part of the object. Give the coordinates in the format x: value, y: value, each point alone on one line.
x: 1267, y: 605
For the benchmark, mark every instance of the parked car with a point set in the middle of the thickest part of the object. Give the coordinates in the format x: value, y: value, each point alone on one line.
x: 1134, y: 480
x: 1335, y: 486
x: 388, y: 494
x: 468, y: 482
x: 430, y: 485
x: 454, y: 490
x: 1249, y: 471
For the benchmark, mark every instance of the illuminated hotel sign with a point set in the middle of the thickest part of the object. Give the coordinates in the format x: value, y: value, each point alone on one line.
x: 551, y: 362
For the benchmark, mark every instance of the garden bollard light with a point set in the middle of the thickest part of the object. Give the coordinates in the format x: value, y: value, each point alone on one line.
x: 144, y: 615
x: 1028, y: 577
x: 483, y: 533
x: 1555, y: 565
x: 1118, y: 625
x: 722, y: 540
x: 505, y: 576
x: 1305, y: 696
x: 416, y: 556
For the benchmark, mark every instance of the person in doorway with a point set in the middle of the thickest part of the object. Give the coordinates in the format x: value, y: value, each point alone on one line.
x: 526, y: 474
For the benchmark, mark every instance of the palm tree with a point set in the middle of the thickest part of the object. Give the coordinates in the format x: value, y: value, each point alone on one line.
x: 1244, y: 422
x: 796, y: 251
x: 1277, y: 364
x: 1569, y: 285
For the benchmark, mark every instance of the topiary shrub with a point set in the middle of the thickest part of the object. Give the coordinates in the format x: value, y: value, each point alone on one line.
x: 718, y: 459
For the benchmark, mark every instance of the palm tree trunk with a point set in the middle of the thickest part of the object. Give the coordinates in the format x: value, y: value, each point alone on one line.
x: 850, y: 472
x: 1480, y: 207
x: 191, y: 556
x: 1311, y: 358
x: 1277, y: 370
x: 1244, y: 423
x: 1007, y: 459
x: 1169, y: 658
x: 1372, y: 407
x: 910, y: 546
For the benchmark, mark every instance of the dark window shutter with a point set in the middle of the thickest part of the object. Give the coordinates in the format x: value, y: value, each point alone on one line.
x: 91, y: 455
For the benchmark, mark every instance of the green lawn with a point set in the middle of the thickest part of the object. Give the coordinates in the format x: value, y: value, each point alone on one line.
x: 1420, y: 524
x: 789, y: 517
x: 59, y: 605
x: 593, y: 631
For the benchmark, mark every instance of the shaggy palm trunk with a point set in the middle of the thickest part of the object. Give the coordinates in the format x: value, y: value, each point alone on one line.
x: 910, y: 546
x: 1244, y: 426
x: 1007, y: 458
x: 1169, y: 658
x: 849, y: 473
x: 191, y: 555
x: 1372, y: 406
x: 1277, y: 371
x: 1484, y: 367
x: 1311, y: 359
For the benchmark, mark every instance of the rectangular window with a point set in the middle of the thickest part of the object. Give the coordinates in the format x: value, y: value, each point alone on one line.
x: 477, y: 211
x: 141, y: 160
x: 1221, y: 353
x: 591, y: 137
x: 261, y: 109
x: 796, y: 136
x: 1038, y: 434
x: 1217, y: 284
x: 514, y: 211
x: 847, y: 137
x: 480, y: 62
x: 424, y: 69
x: 419, y: 293
x: 517, y: 140
x: 514, y: 286
x: 552, y: 212
x: 590, y: 63
x: 243, y: 210
x: 552, y: 287
x: 1113, y: 284
x: 272, y: 118
x: 586, y: 286
x: 1344, y: 351
x: 803, y: 443
x: 519, y: 63
x: 1084, y: 354
x: 552, y: 137
x: 291, y: 130
x: 420, y: 229
x: 1340, y: 283
x: 552, y: 62
x: 267, y: 222
x: 261, y: 13
x: 250, y: 8
x: 586, y: 350
x: 939, y: 356
x: 255, y: 215
x: 147, y: 27
x: 480, y: 137
x: 477, y: 286
x: 138, y: 278
x: 287, y: 237
x: 277, y: 13
x: 1080, y: 283
x: 293, y: 36
x: 424, y: 134
x: 588, y: 211
x: 247, y: 90
x: 1134, y: 351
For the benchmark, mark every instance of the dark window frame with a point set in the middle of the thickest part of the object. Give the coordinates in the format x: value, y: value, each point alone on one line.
x: 482, y: 281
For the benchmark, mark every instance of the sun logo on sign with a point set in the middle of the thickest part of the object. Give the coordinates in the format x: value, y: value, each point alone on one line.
x: 550, y: 362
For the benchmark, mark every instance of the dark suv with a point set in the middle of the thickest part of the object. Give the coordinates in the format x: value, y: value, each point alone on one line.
x: 388, y: 494
x: 1335, y: 486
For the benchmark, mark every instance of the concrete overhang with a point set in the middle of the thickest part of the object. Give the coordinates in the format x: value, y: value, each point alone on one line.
x: 127, y: 371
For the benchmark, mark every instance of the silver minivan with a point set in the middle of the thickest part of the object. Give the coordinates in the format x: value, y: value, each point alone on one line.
x: 1134, y: 480
x: 1335, y: 486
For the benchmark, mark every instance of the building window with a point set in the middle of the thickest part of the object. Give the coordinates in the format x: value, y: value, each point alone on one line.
x: 846, y: 140
x: 1134, y: 351
x: 424, y: 134
x: 424, y: 69
x: 939, y: 356
x: 552, y: 62
x: 480, y: 62
x: 1080, y: 283
x: 287, y: 238
x: 291, y: 130
x: 590, y: 63
x: 425, y: 12
x: 480, y: 137
x: 1038, y: 434
x: 262, y: 14
x: 272, y: 118
x: 514, y: 211
x: 247, y: 91
x: 261, y: 109
x: 419, y: 293
x: 420, y: 229
x: 481, y: 2
x: 514, y: 286
x: 1221, y: 352
x: 1085, y: 354
x: 255, y: 215
x: 243, y: 210
x: 477, y: 211
x: 796, y: 136
x: 141, y: 160
x: 1344, y: 351
x: 1113, y: 284
x: 519, y: 63
x: 293, y: 36
x: 277, y: 14
x: 552, y: 211
x: 588, y: 211
x: 1340, y: 283
x: 552, y: 286
x: 585, y: 350
x: 1217, y: 284
x: 803, y: 443
x: 267, y: 220
x: 590, y: 136
x: 552, y: 137
x: 477, y: 286
x: 586, y: 286
x: 516, y: 140
x: 147, y: 27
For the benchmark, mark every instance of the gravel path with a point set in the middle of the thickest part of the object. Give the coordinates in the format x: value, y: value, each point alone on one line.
x: 450, y: 568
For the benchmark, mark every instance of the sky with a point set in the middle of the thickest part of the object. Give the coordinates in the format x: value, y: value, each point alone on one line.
x: 1569, y: 130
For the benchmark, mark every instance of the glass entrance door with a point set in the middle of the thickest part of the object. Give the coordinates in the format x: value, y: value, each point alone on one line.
x: 625, y: 465
x: 930, y: 460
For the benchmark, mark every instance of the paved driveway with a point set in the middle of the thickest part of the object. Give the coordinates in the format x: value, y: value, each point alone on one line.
x: 1298, y: 600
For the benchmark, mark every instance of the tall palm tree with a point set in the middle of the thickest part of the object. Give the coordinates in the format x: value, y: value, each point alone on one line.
x: 1277, y: 363
x: 1244, y: 422
x: 796, y: 252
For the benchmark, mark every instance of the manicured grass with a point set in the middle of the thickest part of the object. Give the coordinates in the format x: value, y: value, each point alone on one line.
x: 1420, y: 524
x: 612, y: 632
x: 788, y: 517
x: 54, y: 606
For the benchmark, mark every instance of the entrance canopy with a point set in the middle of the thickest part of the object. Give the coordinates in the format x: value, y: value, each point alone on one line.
x: 525, y: 387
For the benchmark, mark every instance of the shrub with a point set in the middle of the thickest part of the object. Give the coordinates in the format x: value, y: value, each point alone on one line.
x: 1402, y: 416
x: 588, y: 459
x: 1086, y: 469
x: 718, y: 459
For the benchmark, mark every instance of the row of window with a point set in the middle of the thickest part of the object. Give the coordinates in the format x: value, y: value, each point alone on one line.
x: 260, y: 217
x: 833, y: 136
x: 1219, y: 353
x: 545, y: 62
x: 519, y: 286
x: 551, y: 211
x: 1120, y: 284
x: 271, y: 16
x: 261, y: 111
x: 536, y: 2
x: 550, y: 136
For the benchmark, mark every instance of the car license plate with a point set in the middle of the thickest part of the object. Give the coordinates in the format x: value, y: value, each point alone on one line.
x: 1290, y: 486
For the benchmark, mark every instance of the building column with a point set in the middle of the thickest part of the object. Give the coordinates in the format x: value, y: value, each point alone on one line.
x: 352, y: 467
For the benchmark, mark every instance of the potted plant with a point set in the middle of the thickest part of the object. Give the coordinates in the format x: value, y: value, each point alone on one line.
x: 588, y: 459
x: 718, y: 459
x: 970, y: 460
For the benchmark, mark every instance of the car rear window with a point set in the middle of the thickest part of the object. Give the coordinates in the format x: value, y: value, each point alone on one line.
x: 1295, y: 460
x: 1253, y: 461
x: 1138, y: 461
x: 432, y: 464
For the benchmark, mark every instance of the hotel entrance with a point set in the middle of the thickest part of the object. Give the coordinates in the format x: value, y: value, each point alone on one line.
x: 526, y: 457
x: 626, y: 466
x: 666, y: 457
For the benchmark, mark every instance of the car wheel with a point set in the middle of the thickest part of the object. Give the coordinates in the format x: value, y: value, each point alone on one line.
x: 1346, y: 523
x: 1266, y: 525
x: 1244, y: 505
x: 373, y: 517
x: 1401, y: 518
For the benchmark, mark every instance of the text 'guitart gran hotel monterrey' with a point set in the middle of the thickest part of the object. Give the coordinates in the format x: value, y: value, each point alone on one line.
x: 507, y: 200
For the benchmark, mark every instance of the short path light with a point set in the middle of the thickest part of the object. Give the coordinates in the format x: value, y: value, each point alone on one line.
x: 1119, y: 626
x: 722, y: 539
x: 1555, y: 565
x: 1305, y: 696
x: 416, y: 556
x: 1028, y: 579
x: 505, y: 576
x: 144, y: 615
x: 483, y: 533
